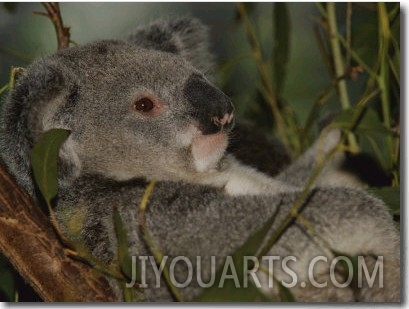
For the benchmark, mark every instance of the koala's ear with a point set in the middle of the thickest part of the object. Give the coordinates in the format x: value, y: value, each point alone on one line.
x: 47, y: 93
x: 34, y: 106
x: 186, y: 36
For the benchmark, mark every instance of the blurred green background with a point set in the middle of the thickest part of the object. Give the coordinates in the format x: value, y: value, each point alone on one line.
x: 24, y: 36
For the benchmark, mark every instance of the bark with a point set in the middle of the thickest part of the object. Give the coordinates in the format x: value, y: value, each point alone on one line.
x: 62, y: 31
x: 29, y: 241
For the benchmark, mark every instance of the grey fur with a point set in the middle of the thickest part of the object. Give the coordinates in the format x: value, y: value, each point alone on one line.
x: 187, y: 37
x: 113, y: 150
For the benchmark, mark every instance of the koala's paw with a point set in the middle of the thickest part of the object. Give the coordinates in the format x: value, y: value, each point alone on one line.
x: 327, y: 141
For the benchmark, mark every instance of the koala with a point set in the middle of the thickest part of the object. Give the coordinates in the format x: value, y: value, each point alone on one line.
x: 145, y: 109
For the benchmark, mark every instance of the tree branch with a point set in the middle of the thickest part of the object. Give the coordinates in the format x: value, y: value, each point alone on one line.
x: 28, y: 240
x: 54, y: 14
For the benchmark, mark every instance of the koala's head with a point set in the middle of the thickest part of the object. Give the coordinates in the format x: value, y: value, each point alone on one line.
x: 142, y: 108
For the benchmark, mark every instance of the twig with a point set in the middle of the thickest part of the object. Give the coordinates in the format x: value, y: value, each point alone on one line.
x: 384, y: 35
x: 262, y: 68
x: 149, y: 240
x: 383, y: 79
x: 357, y: 58
x: 13, y: 74
x: 323, y: 97
x: 395, y: 155
x: 321, y: 45
x: 339, y: 68
x: 337, y: 57
x: 54, y: 14
x: 293, y: 214
x: 2, y: 89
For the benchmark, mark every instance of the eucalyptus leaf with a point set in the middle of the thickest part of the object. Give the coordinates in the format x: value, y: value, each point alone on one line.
x: 7, y: 284
x: 285, y: 293
x: 44, y: 157
x: 364, y: 40
x: 390, y: 196
x: 125, y: 261
x: 346, y: 268
x: 377, y: 146
x: 368, y: 124
x: 127, y: 294
x: 343, y: 121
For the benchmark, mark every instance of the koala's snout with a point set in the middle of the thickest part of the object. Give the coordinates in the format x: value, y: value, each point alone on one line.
x: 210, y: 106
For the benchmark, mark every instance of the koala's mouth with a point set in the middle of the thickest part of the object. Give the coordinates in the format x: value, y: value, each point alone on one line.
x: 207, y: 141
x: 207, y: 150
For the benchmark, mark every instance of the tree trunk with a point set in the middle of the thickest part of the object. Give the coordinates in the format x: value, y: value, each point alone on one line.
x: 29, y: 241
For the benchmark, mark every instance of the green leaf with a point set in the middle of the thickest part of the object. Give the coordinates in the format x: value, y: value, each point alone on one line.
x: 371, y: 130
x: 390, y: 196
x: 44, y: 158
x: 229, y: 292
x: 7, y: 284
x: 281, y: 44
x: 125, y: 261
x: 343, y: 120
x: 346, y: 268
x: 369, y: 124
x: 285, y: 293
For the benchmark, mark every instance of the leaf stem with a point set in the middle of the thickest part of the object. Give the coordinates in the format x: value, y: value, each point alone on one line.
x: 383, y: 76
x: 384, y: 35
x: 324, y: 96
x: 293, y: 214
x: 14, y: 72
x: 2, y: 89
x: 54, y: 14
x: 339, y: 68
x: 149, y: 240
x: 337, y: 57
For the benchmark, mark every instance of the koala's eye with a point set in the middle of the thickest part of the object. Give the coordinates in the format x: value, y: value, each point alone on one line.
x: 143, y: 105
x: 147, y: 105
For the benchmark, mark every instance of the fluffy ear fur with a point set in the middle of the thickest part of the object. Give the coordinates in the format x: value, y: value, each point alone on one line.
x: 186, y: 36
x: 42, y: 92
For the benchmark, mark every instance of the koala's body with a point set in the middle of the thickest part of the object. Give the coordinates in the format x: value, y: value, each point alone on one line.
x: 145, y: 110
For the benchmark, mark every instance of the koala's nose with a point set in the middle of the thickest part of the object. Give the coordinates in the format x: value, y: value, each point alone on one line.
x: 210, y: 106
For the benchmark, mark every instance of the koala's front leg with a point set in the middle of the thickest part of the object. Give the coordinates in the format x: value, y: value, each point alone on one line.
x: 333, y: 174
x: 244, y: 180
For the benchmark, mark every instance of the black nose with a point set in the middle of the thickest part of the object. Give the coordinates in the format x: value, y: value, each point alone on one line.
x: 209, y: 106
